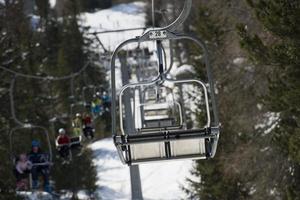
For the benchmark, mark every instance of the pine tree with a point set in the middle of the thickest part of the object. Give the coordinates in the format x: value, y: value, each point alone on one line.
x: 280, y: 19
x: 242, y: 166
x: 47, y: 47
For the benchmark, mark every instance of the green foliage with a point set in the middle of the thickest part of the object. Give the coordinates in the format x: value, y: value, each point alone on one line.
x: 258, y: 51
x: 50, y: 47
x: 280, y: 18
x: 81, y: 170
x: 251, y: 162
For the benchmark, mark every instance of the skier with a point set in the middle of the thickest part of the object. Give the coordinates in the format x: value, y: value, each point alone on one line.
x: 106, y: 101
x: 96, y: 106
x: 77, y: 131
x: 77, y: 125
x: 40, y: 166
x: 21, y: 171
x: 88, y: 126
x: 63, y: 144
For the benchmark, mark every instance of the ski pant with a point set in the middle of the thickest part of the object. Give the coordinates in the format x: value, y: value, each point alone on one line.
x: 64, y: 151
x: 40, y: 170
x: 20, y: 176
x: 88, y: 131
x: 77, y: 131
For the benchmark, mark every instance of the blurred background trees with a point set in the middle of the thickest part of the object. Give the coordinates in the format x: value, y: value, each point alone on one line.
x: 254, y: 48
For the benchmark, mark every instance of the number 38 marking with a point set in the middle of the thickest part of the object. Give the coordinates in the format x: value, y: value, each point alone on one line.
x: 157, y: 34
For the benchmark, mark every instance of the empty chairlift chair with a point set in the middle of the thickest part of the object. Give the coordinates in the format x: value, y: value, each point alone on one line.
x: 136, y: 145
x: 159, y: 115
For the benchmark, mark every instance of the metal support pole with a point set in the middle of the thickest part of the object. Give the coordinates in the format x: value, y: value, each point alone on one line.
x: 160, y: 57
x: 153, y: 14
x: 140, y: 79
x: 136, y: 186
x: 181, y: 100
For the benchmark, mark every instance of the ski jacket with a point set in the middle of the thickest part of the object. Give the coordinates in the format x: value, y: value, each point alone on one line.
x: 105, y: 98
x: 38, y: 157
x: 96, y: 102
x: 77, y: 123
x: 22, y: 166
x: 87, y: 121
x: 63, y: 139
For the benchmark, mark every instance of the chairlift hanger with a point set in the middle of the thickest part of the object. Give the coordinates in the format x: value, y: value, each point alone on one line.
x: 168, y: 144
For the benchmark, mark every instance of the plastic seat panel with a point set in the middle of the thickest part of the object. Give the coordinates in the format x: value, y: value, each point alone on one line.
x: 187, y: 147
x: 146, y: 151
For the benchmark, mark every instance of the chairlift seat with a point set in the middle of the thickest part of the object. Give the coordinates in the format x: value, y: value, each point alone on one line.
x: 157, y: 106
x: 168, y: 145
x: 159, y: 123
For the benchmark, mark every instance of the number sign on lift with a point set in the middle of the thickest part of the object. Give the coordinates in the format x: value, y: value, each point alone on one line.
x: 158, y: 35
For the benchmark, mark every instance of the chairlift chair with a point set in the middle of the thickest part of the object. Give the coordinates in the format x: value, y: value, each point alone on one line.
x: 162, y: 116
x: 78, y: 107
x: 88, y: 92
x: 22, y: 147
x: 42, y: 136
x: 163, y: 113
x: 87, y: 98
x: 181, y: 143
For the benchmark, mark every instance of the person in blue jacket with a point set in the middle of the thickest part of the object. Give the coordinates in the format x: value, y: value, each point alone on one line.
x: 106, y: 101
x: 40, y: 165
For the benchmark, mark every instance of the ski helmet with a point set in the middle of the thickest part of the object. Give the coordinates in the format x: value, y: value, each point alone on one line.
x: 35, y: 143
x: 61, y: 131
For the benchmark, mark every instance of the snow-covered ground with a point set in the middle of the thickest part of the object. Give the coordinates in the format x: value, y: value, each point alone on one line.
x: 122, y: 16
x: 159, y: 180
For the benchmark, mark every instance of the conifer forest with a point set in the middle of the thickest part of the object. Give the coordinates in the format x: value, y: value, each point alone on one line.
x: 150, y: 99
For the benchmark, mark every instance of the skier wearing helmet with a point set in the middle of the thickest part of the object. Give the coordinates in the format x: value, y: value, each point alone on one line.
x: 40, y: 165
x: 77, y: 125
x: 63, y: 143
x: 88, y: 130
x: 97, y: 106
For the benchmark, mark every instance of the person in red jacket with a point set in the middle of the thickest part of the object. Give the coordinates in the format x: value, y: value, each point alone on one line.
x: 63, y: 143
x: 88, y: 130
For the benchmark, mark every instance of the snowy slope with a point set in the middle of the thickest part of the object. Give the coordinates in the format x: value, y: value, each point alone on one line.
x: 159, y: 180
x: 122, y: 16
